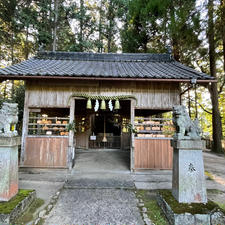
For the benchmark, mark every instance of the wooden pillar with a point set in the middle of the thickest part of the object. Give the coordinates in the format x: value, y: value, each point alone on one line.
x: 71, y: 149
x: 25, y: 128
x: 132, y: 115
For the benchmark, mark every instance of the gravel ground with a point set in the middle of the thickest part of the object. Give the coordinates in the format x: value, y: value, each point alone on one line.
x: 96, y: 206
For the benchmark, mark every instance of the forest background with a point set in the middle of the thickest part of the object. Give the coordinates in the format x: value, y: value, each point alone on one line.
x: 195, y: 31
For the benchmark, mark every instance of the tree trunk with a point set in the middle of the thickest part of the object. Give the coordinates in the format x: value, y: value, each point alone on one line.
x: 174, y: 39
x: 56, y: 6
x: 81, y: 25
x: 189, y: 103
x: 110, y: 27
x: 100, y: 29
x: 26, y: 47
x: 5, y: 92
x: 12, y: 59
x: 176, y: 51
x: 223, y: 31
x: 216, y: 119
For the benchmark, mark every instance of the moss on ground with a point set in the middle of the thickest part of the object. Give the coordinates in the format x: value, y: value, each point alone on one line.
x: 222, y: 206
x: 7, y: 207
x: 209, y: 175
x: 154, y: 212
x: 28, y: 215
x: 194, y: 208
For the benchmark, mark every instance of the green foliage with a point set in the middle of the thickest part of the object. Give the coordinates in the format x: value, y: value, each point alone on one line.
x: 131, y: 128
x: 152, y: 24
x: 27, y: 26
x: 71, y: 126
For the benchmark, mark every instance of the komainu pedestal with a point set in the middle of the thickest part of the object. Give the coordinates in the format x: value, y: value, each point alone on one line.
x: 188, y: 171
x: 8, y: 167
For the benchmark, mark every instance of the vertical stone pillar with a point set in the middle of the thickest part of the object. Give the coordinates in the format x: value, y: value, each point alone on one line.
x: 8, y: 167
x: 188, y: 171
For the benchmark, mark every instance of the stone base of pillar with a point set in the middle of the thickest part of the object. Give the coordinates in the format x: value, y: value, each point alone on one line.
x: 8, y: 167
x: 188, y: 171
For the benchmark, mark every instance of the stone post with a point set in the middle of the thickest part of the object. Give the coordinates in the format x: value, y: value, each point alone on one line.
x: 9, y: 142
x: 188, y: 171
x: 8, y: 167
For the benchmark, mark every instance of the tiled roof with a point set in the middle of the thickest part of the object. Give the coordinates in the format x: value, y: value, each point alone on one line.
x: 99, y: 65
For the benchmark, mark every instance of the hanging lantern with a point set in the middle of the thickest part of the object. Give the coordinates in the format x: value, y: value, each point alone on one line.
x: 103, y: 105
x: 117, y: 104
x: 89, y: 106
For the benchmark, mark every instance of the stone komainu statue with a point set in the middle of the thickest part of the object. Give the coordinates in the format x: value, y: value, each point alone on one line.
x: 185, y: 127
x: 8, y: 119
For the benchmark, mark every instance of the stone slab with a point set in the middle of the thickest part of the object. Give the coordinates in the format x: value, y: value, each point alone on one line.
x: 188, y: 144
x: 153, y: 186
x: 99, y: 180
x: 10, y: 141
x: 217, y: 218
x: 8, y: 172
x: 188, y: 184
x: 99, y: 183
x: 7, y: 219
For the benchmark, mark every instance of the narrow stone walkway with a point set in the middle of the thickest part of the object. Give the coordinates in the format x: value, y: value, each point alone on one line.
x: 99, y: 191
x: 97, y: 198
x: 96, y: 207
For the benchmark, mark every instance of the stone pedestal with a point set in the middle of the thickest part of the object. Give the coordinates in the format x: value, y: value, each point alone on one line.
x: 8, y: 167
x: 188, y: 171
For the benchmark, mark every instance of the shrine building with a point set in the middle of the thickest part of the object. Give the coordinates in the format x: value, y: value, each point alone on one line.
x: 84, y: 101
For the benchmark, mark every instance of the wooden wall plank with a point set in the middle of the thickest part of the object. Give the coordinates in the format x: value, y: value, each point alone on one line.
x: 152, y: 154
x: 151, y: 95
x: 46, y: 152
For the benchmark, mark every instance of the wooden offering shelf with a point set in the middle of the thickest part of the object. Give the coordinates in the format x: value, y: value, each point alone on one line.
x: 48, y: 126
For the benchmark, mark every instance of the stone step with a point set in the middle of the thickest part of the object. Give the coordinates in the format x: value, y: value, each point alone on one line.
x: 153, y: 172
x: 99, y: 183
x: 153, y: 185
x: 152, y: 178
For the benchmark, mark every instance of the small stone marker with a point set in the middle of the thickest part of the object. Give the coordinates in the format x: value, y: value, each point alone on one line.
x: 188, y: 168
x: 9, y: 142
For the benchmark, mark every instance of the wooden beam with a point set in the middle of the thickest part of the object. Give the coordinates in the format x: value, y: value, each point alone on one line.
x: 71, y: 148
x: 132, y: 115
x: 19, y: 77
x: 25, y: 128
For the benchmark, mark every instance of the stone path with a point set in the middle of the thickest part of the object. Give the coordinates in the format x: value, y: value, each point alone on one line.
x: 97, y: 198
x: 214, y: 164
x: 96, y: 207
